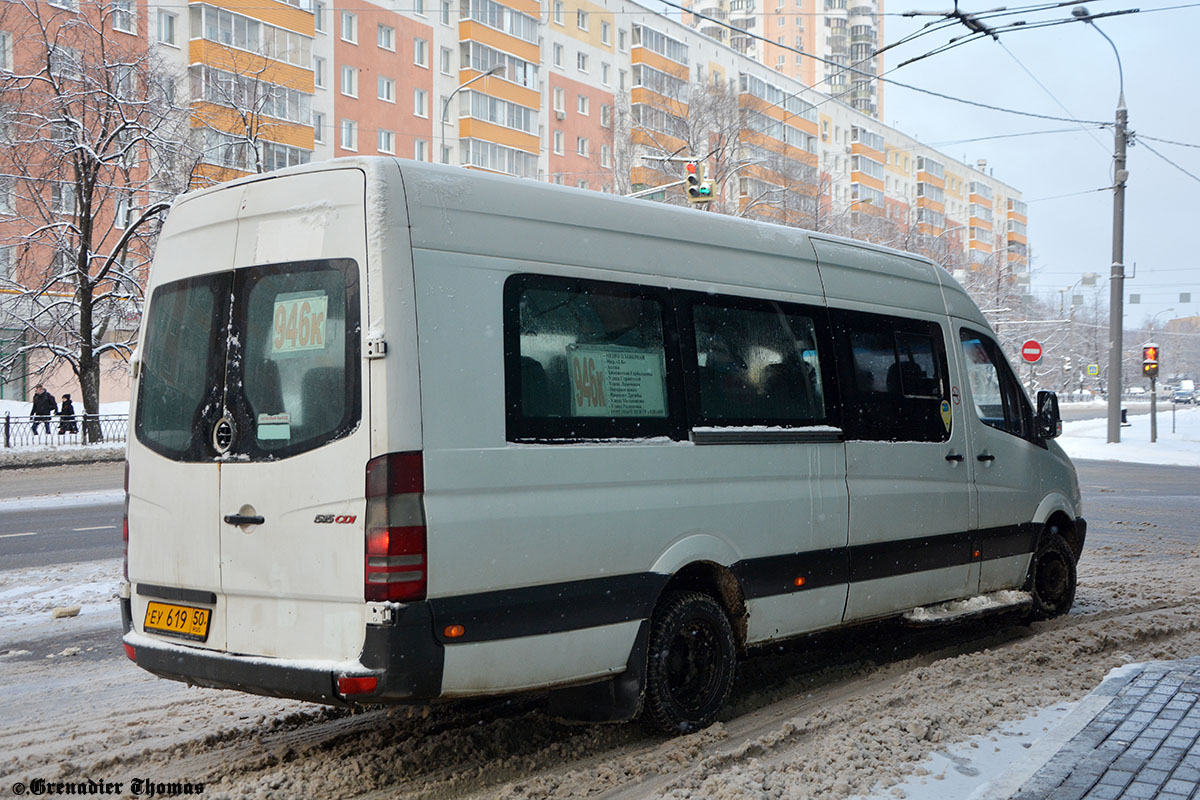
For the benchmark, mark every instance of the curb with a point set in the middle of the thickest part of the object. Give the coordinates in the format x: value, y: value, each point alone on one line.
x: 1046, y: 748
x: 19, y: 459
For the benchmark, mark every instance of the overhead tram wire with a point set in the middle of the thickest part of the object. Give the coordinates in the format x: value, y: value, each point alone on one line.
x: 1169, y: 161
x: 880, y: 78
x: 1051, y: 94
x: 1142, y: 136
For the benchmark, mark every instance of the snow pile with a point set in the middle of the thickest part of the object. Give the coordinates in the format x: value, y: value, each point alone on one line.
x: 963, y: 608
x: 1088, y: 438
x: 21, y: 408
x: 29, y: 596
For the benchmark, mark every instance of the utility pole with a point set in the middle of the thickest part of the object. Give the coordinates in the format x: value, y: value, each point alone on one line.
x: 1116, y: 296
x: 1116, y: 288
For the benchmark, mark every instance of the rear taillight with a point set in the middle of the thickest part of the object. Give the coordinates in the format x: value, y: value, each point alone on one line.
x: 125, y: 524
x: 130, y: 652
x: 395, y: 529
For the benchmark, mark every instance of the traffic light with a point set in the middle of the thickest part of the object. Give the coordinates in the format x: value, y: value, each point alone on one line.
x: 1150, y: 360
x: 699, y: 190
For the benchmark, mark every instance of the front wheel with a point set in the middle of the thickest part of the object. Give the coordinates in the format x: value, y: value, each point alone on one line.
x: 691, y: 663
x: 1052, y: 577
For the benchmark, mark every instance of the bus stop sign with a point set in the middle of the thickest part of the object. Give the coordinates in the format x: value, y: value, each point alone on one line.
x: 1031, y: 351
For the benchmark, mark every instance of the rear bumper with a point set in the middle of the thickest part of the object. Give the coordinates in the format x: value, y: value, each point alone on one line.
x: 403, y: 655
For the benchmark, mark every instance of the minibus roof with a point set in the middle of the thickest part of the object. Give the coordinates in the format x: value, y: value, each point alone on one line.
x: 460, y: 202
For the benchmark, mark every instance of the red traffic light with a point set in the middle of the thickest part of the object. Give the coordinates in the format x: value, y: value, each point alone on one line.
x: 1150, y: 352
x: 690, y: 167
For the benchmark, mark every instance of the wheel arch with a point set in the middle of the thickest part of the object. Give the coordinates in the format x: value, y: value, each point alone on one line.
x: 1056, y: 514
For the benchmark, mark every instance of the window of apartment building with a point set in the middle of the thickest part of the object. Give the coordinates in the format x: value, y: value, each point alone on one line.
x: 318, y: 127
x: 124, y: 211
x: 7, y: 200
x: 419, y: 7
x: 779, y: 62
x: 420, y: 52
x: 62, y: 198
x: 560, y: 179
x: 558, y: 143
x: 622, y: 79
x: 421, y: 150
x: 605, y: 33
x: 7, y: 262
x: 166, y: 27
x: 445, y: 61
x: 581, y: 61
x: 605, y: 156
x: 124, y: 16
x: 581, y: 19
x: 560, y: 99
x: 349, y: 27
x: 349, y: 81
x: 445, y: 12
x: 387, y: 142
x: 385, y: 37
x: 420, y: 102
x: 65, y: 62
x: 387, y: 89
x: 605, y: 73
x: 558, y: 12
x: 622, y: 44
x: 319, y: 16
x: 582, y: 104
x: 318, y: 66
x: 6, y: 53
x: 69, y: 5
x: 581, y: 146
x: 445, y: 154
x: 605, y: 115
x: 558, y: 55
x: 581, y: 183
x: 349, y: 135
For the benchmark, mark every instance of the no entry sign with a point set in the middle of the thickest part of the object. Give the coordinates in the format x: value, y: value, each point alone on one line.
x: 1031, y: 351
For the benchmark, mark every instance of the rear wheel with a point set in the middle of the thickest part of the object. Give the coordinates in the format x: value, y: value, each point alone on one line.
x: 691, y: 664
x: 1052, y: 577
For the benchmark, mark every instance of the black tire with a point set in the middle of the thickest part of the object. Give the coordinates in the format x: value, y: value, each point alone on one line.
x: 691, y: 663
x: 1052, y: 577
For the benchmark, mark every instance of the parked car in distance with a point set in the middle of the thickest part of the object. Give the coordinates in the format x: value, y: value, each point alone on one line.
x: 1183, y: 396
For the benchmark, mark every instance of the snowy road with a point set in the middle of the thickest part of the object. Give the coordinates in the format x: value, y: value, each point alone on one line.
x: 827, y: 716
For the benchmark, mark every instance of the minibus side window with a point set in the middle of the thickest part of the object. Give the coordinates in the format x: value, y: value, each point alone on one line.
x: 995, y: 393
x: 895, y: 377
x: 757, y: 365
x: 586, y: 360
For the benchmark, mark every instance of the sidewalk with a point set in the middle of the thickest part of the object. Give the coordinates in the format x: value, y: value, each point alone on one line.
x: 1138, y: 737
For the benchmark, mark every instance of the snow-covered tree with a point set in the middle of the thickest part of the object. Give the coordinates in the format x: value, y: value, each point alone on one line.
x: 91, y: 145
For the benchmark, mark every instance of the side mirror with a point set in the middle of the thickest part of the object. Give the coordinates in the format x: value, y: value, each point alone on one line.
x: 1048, y: 422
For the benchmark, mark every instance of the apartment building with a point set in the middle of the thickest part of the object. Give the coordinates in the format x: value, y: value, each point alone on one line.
x: 597, y: 94
x: 837, y: 40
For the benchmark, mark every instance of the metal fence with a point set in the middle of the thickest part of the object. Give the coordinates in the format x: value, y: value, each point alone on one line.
x: 20, y: 431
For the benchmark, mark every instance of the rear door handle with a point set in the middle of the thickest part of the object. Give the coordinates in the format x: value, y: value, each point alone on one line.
x: 954, y: 456
x: 985, y: 457
x: 243, y: 519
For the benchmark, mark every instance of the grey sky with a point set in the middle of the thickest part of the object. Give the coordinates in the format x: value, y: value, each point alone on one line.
x: 1160, y: 53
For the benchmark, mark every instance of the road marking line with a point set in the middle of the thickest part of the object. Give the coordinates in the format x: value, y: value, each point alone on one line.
x: 97, y: 528
x: 12, y: 535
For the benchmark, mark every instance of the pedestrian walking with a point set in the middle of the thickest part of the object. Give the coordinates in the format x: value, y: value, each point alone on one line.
x: 66, y: 416
x: 44, y: 407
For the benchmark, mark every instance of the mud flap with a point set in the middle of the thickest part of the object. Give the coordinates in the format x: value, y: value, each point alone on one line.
x: 616, y: 699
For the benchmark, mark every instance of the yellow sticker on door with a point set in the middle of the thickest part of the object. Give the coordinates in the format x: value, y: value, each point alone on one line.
x: 946, y: 414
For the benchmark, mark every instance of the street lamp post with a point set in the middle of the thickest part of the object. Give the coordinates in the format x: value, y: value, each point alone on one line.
x: 496, y: 70
x: 1117, y: 279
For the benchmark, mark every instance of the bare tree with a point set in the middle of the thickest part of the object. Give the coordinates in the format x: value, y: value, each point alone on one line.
x: 88, y: 127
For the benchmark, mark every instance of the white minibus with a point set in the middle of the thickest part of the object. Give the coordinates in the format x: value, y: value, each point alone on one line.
x: 404, y: 432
